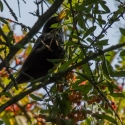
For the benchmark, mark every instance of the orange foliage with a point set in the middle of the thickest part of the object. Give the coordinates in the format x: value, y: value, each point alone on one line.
x: 18, y: 38
x: 13, y: 108
x: 113, y: 104
x: 83, y: 83
x: 75, y: 97
x: 120, y: 89
x: 4, y: 73
x: 71, y: 76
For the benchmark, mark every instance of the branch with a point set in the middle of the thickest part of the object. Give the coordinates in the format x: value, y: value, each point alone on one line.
x: 39, y: 23
x: 21, y: 24
x: 56, y: 76
x: 11, y: 11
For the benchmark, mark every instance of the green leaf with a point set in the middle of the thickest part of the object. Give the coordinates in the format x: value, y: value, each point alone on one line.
x: 70, y: 43
x: 110, y: 56
x: 81, y: 22
x: 86, y: 68
x: 106, y: 117
x: 89, y: 2
x: 118, y: 74
x: 6, y: 94
x: 1, y: 122
x: 112, y: 86
x: 55, y: 25
x: 10, y: 37
x: 4, y: 21
x: 110, y: 68
x: 75, y: 37
x: 67, y: 64
x: 5, y: 119
x: 104, y: 67
x: 34, y: 97
x: 105, y: 71
x: 89, y: 31
x: 102, y: 42
x: 28, y: 49
x: 1, y: 49
x: 117, y: 95
x: 122, y: 53
x: 122, y: 31
x: 44, y: 111
x: 18, y: 45
x: 105, y: 7
x: 89, y: 40
x: 86, y: 89
x: 101, y: 22
x: 88, y: 121
x: 1, y: 6
x: 122, y: 39
x: 108, y: 111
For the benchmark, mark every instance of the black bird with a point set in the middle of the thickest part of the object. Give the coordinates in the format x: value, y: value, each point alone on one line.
x: 47, y: 46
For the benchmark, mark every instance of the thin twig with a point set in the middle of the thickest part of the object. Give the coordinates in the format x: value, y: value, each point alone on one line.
x: 21, y: 24
x: 13, y: 14
x: 19, y: 7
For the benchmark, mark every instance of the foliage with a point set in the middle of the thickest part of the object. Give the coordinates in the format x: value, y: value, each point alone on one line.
x: 86, y: 89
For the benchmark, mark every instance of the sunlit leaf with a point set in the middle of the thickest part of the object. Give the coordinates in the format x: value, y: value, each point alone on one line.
x: 110, y: 56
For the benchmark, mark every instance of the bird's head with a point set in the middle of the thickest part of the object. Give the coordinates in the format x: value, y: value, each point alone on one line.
x: 53, y: 20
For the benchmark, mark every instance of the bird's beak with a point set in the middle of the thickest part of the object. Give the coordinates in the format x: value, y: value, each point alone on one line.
x: 62, y: 15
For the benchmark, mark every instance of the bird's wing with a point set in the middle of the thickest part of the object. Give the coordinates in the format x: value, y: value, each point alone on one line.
x: 38, y: 45
x: 41, y: 44
x: 38, y: 57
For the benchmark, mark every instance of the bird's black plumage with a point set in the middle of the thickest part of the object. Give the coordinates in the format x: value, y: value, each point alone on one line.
x: 47, y: 46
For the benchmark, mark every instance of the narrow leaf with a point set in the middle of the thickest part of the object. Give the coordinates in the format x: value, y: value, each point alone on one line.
x: 117, y: 95
x: 34, y: 97
x: 1, y: 6
x: 103, y: 116
x: 6, y: 94
x: 67, y: 64
x: 118, y: 74
x: 122, y: 53
x: 105, y: 8
x: 89, y: 31
x: 102, y: 42
x: 89, y: 2
x: 122, y: 31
